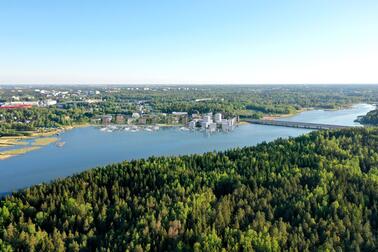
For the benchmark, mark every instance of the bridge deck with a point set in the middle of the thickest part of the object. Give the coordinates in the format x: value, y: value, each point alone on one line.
x: 303, y: 125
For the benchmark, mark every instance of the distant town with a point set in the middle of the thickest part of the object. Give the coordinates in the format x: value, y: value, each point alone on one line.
x: 139, y: 112
x: 29, y: 110
x: 207, y: 122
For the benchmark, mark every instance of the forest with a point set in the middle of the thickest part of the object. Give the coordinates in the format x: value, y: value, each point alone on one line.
x: 316, y: 192
x: 371, y: 118
x: 23, y: 121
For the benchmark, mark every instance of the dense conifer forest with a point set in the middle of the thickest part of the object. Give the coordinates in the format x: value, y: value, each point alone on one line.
x: 370, y: 118
x: 315, y: 192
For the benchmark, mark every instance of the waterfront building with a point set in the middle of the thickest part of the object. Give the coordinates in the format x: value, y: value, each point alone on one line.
x: 225, y: 125
x: 212, y: 127
x: 180, y: 113
x: 192, y: 124
x: 204, y: 124
x: 233, y: 121
x: 142, y: 120
x: 107, y: 119
x: 218, y: 117
x: 120, y: 119
x: 196, y: 116
x: 135, y: 115
x: 207, y: 119
x: 207, y: 122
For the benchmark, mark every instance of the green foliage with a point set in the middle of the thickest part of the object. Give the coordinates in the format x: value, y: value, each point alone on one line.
x: 315, y: 192
x: 370, y: 118
x: 22, y: 121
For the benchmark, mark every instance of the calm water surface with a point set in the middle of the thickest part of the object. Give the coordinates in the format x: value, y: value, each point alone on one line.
x: 89, y: 147
x: 340, y: 117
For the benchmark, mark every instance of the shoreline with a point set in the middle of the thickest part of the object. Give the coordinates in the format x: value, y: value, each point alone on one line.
x: 278, y: 116
x: 37, y: 144
x: 24, y: 147
x: 41, y: 138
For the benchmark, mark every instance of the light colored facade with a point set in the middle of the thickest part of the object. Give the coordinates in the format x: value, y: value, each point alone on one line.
x: 192, y: 124
x: 225, y: 126
x: 204, y: 125
x: 232, y: 121
x: 107, y: 119
x: 135, y: 115
x: 31, y: 103
x: 218, y: 117
x: 207, y: 119
x: 180, y: 113
x: 212, y: 127
x: 208, y: 122
x: 47, y: 103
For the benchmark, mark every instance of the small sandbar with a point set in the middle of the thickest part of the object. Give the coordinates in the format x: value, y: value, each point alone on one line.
x: 20, y: 151
x: 36, y: 144
x: 10, y: 141
x: 44, y: 141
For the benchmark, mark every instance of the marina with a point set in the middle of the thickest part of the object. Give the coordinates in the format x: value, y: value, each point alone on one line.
x: 90, y: 147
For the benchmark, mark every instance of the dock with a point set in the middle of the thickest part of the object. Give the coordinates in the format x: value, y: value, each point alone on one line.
x: 303, y: 125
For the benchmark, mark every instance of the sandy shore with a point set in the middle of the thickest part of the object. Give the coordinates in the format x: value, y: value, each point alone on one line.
x: 278, y: 116
x: 37, y: 144
x: 11, y: 153
x: 10, y: 141
x: 42, y: 138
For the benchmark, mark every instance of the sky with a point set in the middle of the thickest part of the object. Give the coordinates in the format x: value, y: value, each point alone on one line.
x: 188, y: 42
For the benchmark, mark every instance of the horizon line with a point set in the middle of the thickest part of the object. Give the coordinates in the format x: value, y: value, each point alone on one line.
x: 182, y: 84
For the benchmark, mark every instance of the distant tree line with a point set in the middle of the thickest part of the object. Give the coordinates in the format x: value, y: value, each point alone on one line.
x: 243, y: 101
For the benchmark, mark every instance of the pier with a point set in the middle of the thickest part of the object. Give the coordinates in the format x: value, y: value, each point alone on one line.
x: 303, y: 125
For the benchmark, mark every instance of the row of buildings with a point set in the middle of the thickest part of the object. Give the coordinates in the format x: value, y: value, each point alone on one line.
x: 213, y: 123
x: 27, y: 104
x: 197, y: 121
x: 135, y: 118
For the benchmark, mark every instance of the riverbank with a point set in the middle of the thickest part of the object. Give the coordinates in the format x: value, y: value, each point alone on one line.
x: 278, y: 116
x: 8, y: 141
x: 90, y: 147
x: 23, y: 142
x: 41, y: 138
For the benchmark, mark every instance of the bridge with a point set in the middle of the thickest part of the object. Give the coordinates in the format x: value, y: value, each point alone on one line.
x: 304, y: 125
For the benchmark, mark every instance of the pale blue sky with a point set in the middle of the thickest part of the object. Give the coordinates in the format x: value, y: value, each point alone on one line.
x: 192, y: 41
